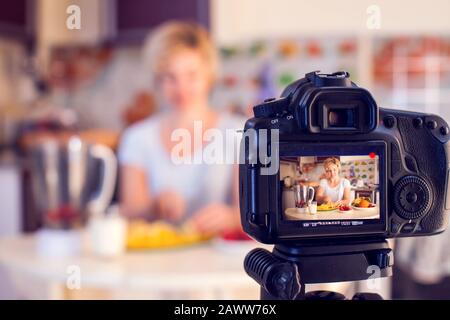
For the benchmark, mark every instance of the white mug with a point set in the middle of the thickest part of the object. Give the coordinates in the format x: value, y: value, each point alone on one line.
x: 108, y: 235
x: 312, y: 207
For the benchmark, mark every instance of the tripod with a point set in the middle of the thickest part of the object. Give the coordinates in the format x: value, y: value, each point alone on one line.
x: 284, y: 272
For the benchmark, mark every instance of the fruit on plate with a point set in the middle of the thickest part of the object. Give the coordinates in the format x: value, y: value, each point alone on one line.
x: 345, y: 208
x: 363, y: 202
x: 327, y: 206
x: 160, y: 234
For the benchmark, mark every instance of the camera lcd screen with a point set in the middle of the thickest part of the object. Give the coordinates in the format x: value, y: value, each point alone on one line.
x: 339, y: 187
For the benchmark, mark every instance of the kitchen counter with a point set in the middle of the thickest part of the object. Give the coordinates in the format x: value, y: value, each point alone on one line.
x: 202, y: 271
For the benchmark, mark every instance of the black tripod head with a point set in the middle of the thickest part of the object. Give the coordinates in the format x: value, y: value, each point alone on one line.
x: 284, y: 272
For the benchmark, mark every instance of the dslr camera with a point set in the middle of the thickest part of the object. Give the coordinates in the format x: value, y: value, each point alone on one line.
x: 324, y: 162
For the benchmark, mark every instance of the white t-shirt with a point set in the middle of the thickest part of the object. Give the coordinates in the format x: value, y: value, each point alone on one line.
x: 200, y: 184
x: 336, y: 193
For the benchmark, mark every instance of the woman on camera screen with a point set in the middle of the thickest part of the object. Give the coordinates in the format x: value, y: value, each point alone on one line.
x: 333, y: 189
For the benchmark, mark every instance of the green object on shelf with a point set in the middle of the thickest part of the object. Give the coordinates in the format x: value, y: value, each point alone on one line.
x: 257, y: 48
x: 228, y: 52
x: 285, y: 78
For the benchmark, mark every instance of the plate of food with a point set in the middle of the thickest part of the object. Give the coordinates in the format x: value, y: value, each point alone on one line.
x: 327, y: 207
x: 160, y: 235
x: 363, y: 204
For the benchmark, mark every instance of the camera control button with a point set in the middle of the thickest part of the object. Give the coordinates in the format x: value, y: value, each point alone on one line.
x: 418, y: 122
x: 444, y: 131
x: 412, y: 197
x: 271, y: 108
x: 431, y: 124
x: 389, y: 121
x: 411, y: 164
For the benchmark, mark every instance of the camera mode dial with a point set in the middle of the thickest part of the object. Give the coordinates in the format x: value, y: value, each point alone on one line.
x: 412, y: 197
x: 271, y: 108
x: 336, y: 79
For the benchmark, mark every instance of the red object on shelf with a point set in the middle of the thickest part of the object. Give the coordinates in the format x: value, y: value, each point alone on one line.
x: 414, y: 54
x: 347, y: 47
x: 314, y: 49
x: 230, y: 81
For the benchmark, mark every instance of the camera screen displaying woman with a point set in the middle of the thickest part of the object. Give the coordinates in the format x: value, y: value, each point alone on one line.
x: 330, y: 187
x: 333, y: 188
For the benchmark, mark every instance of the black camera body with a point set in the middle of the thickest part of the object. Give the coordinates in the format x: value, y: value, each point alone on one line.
x: 326, y: 115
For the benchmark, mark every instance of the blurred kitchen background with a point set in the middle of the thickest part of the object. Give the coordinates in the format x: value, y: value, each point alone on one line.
x: 55, y: 82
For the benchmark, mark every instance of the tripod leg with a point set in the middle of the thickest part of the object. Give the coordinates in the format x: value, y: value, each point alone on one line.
x: 265, y: 295
x: 367, y: 296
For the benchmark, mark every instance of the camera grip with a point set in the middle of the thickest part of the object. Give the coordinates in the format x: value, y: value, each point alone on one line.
x: 426, y: 157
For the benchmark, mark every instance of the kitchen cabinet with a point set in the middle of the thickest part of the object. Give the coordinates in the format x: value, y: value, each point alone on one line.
x: 308, y: 160
x: 102, y: 21
x: 136, y: 18
x: 15, y: 19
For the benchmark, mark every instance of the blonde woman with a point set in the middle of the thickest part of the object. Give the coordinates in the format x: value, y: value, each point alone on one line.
x: 182, y: 62
x: 333, y: 189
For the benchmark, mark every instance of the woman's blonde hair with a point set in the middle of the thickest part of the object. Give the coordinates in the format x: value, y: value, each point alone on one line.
x: 175, y: 36
x: 330, y: 161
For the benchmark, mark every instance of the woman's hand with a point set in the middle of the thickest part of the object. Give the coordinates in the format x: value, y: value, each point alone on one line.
x: 215, y: 219
x: 170, y: 206
x: 342, y: 202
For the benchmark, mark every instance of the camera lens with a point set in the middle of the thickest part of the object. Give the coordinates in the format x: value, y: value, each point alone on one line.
x: 341, y: 118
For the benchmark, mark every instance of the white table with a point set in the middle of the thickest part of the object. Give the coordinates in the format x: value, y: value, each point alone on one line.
x: 202, y: 271
x: 353, y: 214
x: 205, y: 271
